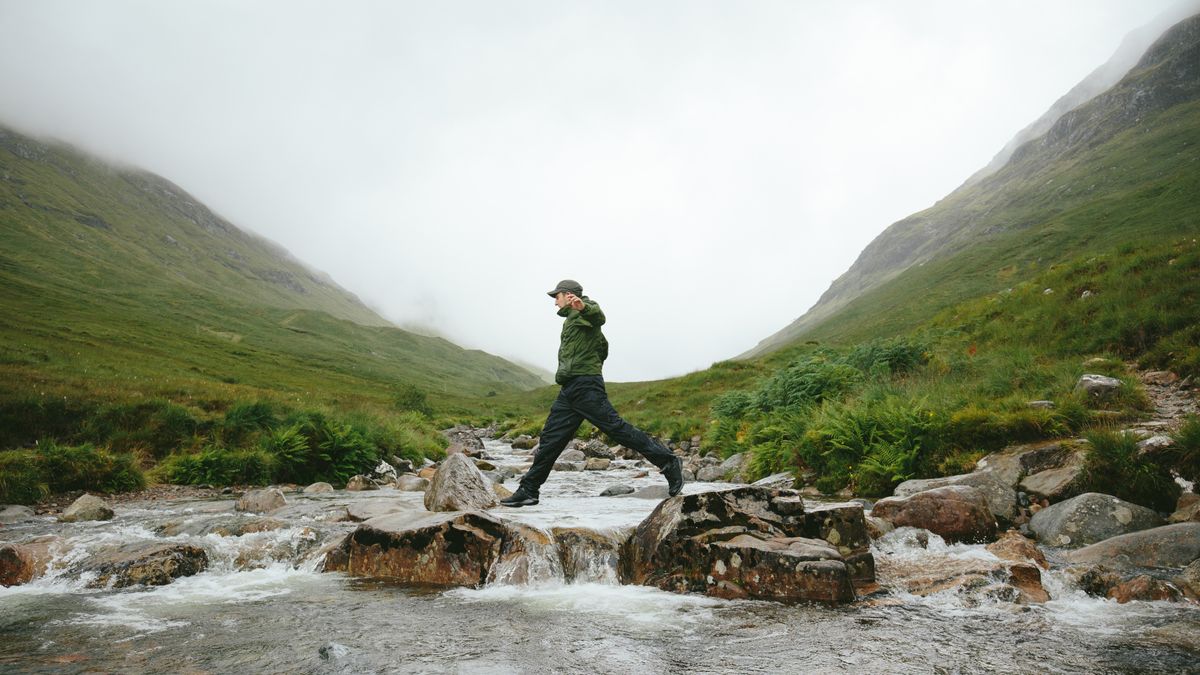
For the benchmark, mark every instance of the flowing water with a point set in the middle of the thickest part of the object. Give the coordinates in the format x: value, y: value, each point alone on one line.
x: 262, y: 607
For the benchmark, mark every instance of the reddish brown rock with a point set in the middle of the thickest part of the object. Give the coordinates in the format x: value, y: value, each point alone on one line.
x: 1146, y: 588
x: 1095, y: 580
x: 22, y: 563
x: 1027, y: 579
x: 1012, y: 545
x: 146, y: 563
x: 957, y: 513
x: 459, y: 486
x: 441, y: 549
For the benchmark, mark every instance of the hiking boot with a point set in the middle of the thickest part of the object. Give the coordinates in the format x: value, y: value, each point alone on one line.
x: 521, y: 497
x: 674, y: 474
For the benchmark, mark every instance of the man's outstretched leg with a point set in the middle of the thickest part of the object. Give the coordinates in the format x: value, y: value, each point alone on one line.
x: 591, y: 400
x: 560, y: 428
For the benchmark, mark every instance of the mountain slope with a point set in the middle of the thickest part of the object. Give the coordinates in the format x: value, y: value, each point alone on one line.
x: 116, y: 283
x: 1119, y: 169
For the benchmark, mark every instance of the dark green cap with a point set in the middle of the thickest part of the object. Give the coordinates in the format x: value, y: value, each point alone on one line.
x: 567, y: 285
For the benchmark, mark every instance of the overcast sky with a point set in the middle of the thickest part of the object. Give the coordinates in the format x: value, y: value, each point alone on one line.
x: 705, y: 169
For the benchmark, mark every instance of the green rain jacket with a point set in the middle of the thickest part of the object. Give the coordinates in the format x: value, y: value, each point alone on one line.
x: 583, y: 348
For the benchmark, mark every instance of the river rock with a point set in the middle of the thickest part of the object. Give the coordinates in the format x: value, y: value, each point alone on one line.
x: 1097, y: 386
x: 22, y: 563
x: 1012, y: 545
x: 1093, y: 579
x: 1014, y: 462
x: 1187, y: 509
x: 1089, y: 518
x: 384, y: 472
x: 1145, y: 588
x: 87, y: 507
x: 233, y: 525
x: 572, y: 456
x: 747, y: 543
x: 588, y: 555
x: 1169, y: 546
x: 596, y: 464
x: 777, y: 481
x: 360, y: 483
x: 973, y: 578
x: 432, y: 549
x: 261, y: 501
x: 411, y: 483
x: 1058, y: 483
x: 560, y: 465
x: 145, y: 563
x: 1000, y: 495
x: 459, y: 486
x: 463, y: 439
x: 957, y: 513
x: 1189, y: 580
x: 427, y: 472
x: 317, y: 488
x: 402, y: 465
x: 597, y: 448
x: 710, y: 474
x: 618, y: 489
x: 524, y: 442
x: 877, y: 527
x: 15, y: 513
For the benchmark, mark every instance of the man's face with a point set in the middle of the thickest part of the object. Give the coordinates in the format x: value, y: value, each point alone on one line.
x: 560, y: 299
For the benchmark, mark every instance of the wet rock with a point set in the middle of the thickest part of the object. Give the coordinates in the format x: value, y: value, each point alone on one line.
x: 427, y: 472
x: 146, y: 563
x: 1189, y: 580
x: 1089, y: 518
x: 15, y: 513
x: 1095, y: 580
x: 560, y: 465
x: 261, y: 501
x: 1027, y: 579
x: 572, y: 456
x: 374, y: 508
x: 710, y: 474
x: 360, y: 483
x: 1187, y: 509
x: 747, y: 543
x: 1145, y: 588
x: 618, y: 489
x: 402, y: 465
x: 230, y: 526
x: 877, y: 527
x: 432, y: 549
x: 317, y: 488
x: 1012, y: 545
x: 649, y: 492
x: 906, y: 537
x: 1000, y: 495
x: 1169, y: 546
x: 411, y: 483
x: 459, y: 486
x: 524, y: 442
x: 597, y: 448
x: 1097, y: 386
x: 587, y: 555
x: 87, y: 507
x: 777, y: 481
x: 1058, y: 483
x: 972, y: 578
x: 384, y: 472
x: 1014, y: 462
x: 596, y: 464
x: 957, y: 513
x: 463, y: 439
x: 22, y: 563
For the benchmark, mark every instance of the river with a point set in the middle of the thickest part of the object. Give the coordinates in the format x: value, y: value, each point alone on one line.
x: 262, y: 606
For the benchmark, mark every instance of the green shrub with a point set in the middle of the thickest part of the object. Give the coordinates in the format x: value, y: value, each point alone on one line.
x: 805, y: 382
x: 29, y: 475
x: 244, y: 420
x: 1114, y: 467
x: 411, y: 399
x: 1184, y: 456
x: 219, y: 466
x: 889, y: 357
x: 334, y: 451
x: 25, y: 421
x: 22, y: 480
x: 733, y: 404
x: 156, y: 426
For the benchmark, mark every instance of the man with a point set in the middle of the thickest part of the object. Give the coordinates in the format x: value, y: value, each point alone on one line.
x: 581, y: 355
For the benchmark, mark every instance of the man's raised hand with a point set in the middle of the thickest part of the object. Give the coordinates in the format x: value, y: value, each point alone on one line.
x: 574, y: 302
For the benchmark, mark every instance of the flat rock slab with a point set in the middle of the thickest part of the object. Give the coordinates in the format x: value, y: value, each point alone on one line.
x: 149, y: 564
x: 999, y: 492
x: 1168, y: 547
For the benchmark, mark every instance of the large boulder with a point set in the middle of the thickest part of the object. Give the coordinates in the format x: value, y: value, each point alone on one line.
x: 572, y: 456
x: 411, y: 483
x: 261, y: 501
x: 463, y: 439
x: 15, y: 513
x: 750, y: 543
x: 22, y: 563
x: 459, y: 486
x: 1089, y: 518
x: 1145, y: 588
x: 145, y: 563
x: 588, y: 555
x: 87, y: 507
x: 317, y: 488
x: 1000, y: 495
x: 957, y: 513
x: 1014, y: 546
x: 441, y: 549
x: 1169, y: 546
x: 937, y: 572
x: 1014, y: 462
x: 1058, y: 483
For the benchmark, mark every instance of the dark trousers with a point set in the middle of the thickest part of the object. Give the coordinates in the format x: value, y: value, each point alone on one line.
x: 584, y: 398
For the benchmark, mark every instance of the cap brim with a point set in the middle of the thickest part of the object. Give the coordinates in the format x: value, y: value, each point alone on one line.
x: 554, y: 293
